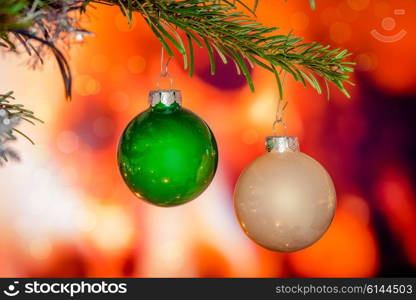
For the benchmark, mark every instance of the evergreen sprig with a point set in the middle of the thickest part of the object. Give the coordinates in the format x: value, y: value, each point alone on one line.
x: 218, y: 26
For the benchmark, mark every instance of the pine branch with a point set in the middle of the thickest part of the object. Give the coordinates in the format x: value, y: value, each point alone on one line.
x: 217, y: 26
x: 220, y: 27
x: 41, y: 25
x: 10, y: 116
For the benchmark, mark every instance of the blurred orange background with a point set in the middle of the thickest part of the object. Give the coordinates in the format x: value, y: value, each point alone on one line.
x: 65, y: 211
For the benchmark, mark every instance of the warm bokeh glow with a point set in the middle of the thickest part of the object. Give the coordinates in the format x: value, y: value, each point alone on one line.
x: 65, y: 210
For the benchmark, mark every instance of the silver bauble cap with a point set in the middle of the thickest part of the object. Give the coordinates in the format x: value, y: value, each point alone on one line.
x: 167, y: 97
x: 282, y: 144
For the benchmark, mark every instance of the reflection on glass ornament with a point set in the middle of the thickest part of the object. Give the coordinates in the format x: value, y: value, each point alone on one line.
x: 167, y: 154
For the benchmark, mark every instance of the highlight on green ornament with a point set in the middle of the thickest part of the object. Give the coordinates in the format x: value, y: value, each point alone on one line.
x: 167, y: 155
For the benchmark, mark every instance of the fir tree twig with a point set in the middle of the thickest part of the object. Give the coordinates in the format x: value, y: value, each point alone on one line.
x: 10, y: 116
x: 215, y: 25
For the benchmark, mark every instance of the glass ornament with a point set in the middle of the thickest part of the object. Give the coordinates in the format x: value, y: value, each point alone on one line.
x: 284, y: 200
x: 167, y: 155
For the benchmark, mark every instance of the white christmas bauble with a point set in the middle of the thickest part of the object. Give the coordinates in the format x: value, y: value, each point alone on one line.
x: 284, y: 200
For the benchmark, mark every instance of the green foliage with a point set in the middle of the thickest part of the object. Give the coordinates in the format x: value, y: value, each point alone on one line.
x: 18, y: 112
x: 38, y: 25
x: 10, y: 13
x: 10, y: 117
x: 232, y: 34
x: 218, y: 26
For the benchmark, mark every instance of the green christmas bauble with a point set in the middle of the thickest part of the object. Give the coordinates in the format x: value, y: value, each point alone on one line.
x: 167, y: 155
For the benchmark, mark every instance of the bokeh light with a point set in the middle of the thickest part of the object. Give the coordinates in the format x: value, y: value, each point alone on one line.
x: 65, y: 211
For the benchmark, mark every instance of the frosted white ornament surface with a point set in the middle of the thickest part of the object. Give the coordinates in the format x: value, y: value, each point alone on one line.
x: 285, y: 201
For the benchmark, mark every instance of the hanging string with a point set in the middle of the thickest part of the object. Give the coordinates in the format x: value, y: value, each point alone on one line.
x: 164, y: 70
x: 280, y: 111
x: 164, y: 67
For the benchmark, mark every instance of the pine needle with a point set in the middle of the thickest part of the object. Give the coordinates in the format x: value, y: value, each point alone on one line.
x: 218, y: 25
